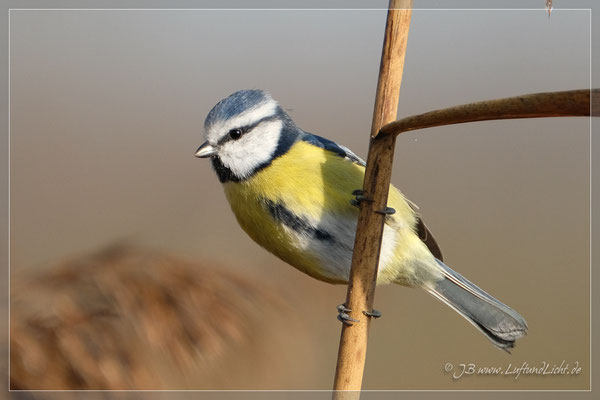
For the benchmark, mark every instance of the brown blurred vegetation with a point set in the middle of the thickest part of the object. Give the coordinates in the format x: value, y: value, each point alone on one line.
x: 130, y: 318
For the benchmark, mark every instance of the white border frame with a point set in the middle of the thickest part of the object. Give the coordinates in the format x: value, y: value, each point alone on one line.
x: 308, y: 9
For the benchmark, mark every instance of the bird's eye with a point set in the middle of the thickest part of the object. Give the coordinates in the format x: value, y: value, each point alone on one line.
x: 235, y: 134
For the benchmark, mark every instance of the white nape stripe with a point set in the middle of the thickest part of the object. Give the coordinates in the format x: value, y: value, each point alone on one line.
x: 248, y: 117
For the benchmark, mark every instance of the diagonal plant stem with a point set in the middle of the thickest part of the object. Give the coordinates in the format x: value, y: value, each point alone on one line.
x: 572, y: 103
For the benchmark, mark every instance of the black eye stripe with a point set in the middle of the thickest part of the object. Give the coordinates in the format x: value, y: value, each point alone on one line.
x: 245, y: 129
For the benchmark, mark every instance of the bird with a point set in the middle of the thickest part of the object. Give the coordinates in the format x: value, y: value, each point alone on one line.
x: 296, y: 195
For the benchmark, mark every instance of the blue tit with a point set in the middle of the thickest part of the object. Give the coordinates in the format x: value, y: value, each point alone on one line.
x: 291, y: 192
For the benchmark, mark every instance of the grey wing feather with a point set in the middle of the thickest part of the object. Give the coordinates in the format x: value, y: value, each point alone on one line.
x: 470, y: 287
x: 332, y: 146
x: 425, y: 234
x: 427, y: 238
x: 500, y: 323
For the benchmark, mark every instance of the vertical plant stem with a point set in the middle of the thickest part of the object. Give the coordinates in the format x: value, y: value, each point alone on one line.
x: 363, y: 275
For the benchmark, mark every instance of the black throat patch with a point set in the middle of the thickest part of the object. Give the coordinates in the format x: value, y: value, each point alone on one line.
x: 224, y: 173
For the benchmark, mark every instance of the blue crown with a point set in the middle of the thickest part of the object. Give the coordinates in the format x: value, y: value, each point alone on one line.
x: 236, y: 104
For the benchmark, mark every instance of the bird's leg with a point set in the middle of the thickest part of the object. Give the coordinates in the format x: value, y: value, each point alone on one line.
x: 359, y: 197
x: 343, y: 316
x: 373, y: 313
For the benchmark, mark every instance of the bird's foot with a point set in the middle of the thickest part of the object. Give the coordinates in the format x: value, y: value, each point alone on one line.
x: 373, y: 313
x: 359, y: 195
x: 386, y: 211
x: 343, y: 315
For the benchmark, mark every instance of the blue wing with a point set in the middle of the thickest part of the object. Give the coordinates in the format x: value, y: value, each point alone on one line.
x: 329, y: 145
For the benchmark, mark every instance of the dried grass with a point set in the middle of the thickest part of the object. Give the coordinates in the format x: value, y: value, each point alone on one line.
x: 127, y: 318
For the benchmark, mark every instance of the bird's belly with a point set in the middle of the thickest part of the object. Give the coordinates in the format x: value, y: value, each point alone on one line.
x: 320, y: 247
x: 301, y: 245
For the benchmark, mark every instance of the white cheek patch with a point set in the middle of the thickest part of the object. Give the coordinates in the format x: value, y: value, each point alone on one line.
x: 254, y: 148
x: 246, y: 118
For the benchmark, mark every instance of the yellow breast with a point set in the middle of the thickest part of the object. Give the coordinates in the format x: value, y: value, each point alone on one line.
x: 313, y: 183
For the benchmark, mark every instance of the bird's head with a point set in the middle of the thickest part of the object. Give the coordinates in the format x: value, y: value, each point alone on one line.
x: 244, y: 133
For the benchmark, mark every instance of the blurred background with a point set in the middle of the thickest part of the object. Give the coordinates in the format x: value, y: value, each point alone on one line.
x: 107, y: 109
